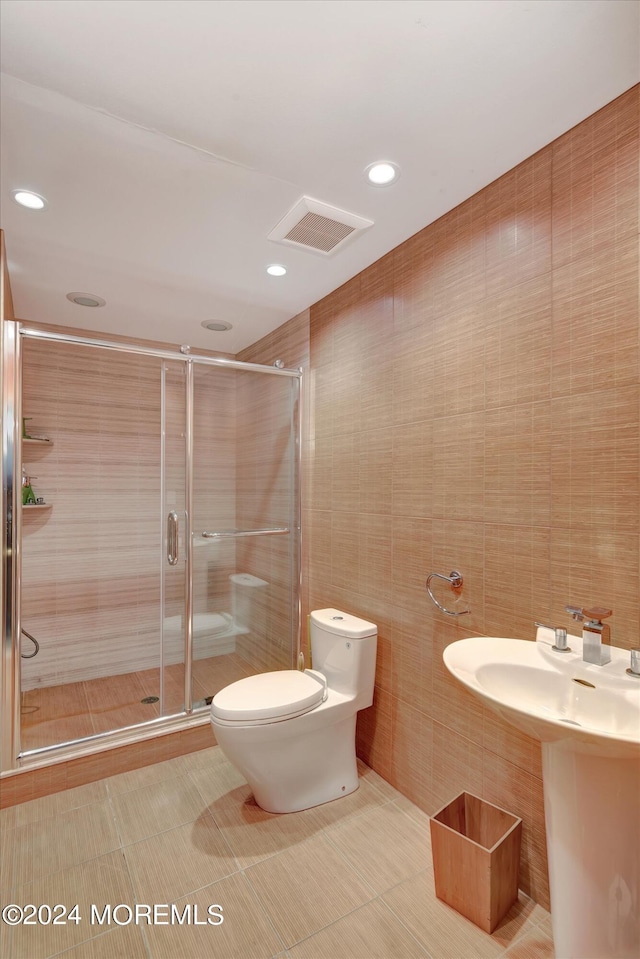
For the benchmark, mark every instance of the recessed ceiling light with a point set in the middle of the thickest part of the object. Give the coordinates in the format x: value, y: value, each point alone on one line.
x: 86, y: 299
x: 218, y: 326
x: 32, y: 201
x: 276, y: 270
x: 382, y: 173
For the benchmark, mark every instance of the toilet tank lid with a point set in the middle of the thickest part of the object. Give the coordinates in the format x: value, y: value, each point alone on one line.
x: 343, y: 624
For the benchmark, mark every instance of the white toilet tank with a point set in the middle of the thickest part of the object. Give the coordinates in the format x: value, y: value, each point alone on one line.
x: 343, y: 648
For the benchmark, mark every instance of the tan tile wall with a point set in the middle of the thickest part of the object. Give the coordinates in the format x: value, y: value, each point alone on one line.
x: 476, y: 406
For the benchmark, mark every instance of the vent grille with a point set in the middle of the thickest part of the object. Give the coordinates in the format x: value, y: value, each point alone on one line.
x: 318, y: 227
x: 319, y: 232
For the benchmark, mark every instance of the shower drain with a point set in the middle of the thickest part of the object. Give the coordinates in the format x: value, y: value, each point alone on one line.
x: 150, y: 699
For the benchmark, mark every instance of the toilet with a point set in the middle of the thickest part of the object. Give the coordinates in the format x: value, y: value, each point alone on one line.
x: 291, y: 733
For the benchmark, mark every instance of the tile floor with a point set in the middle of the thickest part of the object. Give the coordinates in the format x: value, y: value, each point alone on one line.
x: 58, y: 714
x: 348, y: 880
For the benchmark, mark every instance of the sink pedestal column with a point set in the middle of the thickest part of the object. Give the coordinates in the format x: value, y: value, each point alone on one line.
x: 592, y: 815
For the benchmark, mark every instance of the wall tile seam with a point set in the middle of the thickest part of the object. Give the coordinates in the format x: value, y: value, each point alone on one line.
x: 537, y: 780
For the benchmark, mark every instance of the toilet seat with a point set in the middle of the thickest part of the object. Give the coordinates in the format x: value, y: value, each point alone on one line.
x: 269, y: 697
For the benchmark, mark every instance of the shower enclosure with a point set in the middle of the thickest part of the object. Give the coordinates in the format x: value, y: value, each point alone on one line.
x: 161, y: 559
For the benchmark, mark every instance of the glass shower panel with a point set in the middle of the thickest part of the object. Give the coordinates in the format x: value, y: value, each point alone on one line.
x: 245, y: 526
x: 173, y: 521
x: 214, y: 507
x: 91, y: 589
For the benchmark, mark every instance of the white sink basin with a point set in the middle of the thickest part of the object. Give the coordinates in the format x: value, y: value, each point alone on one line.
x: 588, y: 720
x: 554, y: 696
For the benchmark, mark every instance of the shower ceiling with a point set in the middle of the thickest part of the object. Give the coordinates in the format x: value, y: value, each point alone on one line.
x: 169, y: 138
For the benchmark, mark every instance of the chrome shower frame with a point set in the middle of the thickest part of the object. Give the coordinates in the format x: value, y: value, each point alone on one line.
x: 11, y: 544
x: 11, y: 758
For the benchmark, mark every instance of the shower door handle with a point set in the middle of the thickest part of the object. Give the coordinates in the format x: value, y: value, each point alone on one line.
x: 172, y: 538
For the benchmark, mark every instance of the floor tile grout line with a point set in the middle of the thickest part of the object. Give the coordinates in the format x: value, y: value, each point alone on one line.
x: 163, y: 832
x: 352, y: 865
x: 61, y: 955
x: 72, y: 865
x: 202, y: 795
x: 238, y: 868
x: 353, y: 817
x: 82, y: 942
x: 519, y: 939
x: 115, y: 794
x: 266, y: 911
x: 332, y: 923
x: 527, y: 930
x: 210, y: 814
x: 336, y: 827
x: 10, y: 944
x: 190, y: 892
x: 175, y: 825
x: 156, y: 782
x: 12, y: 846
x: 278, y: 852
x: 114, y: 817
x: 414, y: 819
x: 325, y: 828
x: 54, y: 815
x: 406, y: 927
x: 363, y: 905
x: 147, y: 945
x: 460, y: 916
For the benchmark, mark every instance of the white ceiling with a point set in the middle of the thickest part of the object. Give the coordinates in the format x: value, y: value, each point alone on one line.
x: 170, y: 136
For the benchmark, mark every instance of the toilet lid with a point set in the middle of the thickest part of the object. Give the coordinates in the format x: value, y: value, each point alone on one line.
x: 270, y: 696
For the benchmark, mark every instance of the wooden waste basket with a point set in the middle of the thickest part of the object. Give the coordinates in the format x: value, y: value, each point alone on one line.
x: 476, y: 856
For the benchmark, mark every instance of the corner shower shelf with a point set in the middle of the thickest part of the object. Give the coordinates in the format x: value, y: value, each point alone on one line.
x: 33, y: 441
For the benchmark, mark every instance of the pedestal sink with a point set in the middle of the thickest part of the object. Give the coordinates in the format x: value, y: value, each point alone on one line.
x: 588, y: 720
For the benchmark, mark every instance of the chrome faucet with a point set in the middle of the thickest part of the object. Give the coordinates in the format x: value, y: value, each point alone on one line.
x: 596, y: 635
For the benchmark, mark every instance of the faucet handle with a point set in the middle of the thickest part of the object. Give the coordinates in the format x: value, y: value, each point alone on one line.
x: 576, y: 612
x: 634, y: 668
x: 560, y: 644
x: 597, y: 613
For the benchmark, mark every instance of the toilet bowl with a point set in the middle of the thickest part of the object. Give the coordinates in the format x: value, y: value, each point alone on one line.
x: 292, y: 733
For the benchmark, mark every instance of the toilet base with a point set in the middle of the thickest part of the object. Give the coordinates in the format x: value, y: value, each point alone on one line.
x: 292, y: 773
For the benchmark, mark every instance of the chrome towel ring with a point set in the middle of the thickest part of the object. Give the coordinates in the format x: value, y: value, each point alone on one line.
x: 455, y: 579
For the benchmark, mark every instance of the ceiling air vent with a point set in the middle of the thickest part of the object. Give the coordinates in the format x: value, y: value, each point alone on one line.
x: 312, y: 225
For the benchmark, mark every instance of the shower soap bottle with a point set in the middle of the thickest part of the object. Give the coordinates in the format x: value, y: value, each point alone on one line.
x: 28, y: 496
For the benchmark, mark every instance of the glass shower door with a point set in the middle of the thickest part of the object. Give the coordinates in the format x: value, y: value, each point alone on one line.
x: 160, y: 561
x: 102, y: 426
